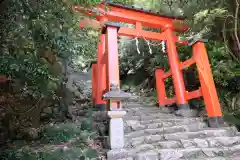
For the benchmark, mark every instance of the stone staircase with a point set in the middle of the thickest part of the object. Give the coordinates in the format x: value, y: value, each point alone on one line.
x: 154, y: 135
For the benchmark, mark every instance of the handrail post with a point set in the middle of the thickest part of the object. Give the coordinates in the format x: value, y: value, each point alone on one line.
x: 94, y: 83
x: 208, y: 88
x: 160, y: 86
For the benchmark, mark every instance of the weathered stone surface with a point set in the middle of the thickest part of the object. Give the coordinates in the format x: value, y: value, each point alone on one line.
x: 145, y: 118
x: 201, y: 143
x: 187, y: 143
x: 149, y: 155
x: 154, y: 131
x: 201, y: 134
x: 127, y: 144
x: 193, y: 153
x: 186, y: 113
x: 173, y: 121
x: 170, y: 154
x: 135, y: 125
x: 235, y: 156
x: 160, y: 115
x: 216, y: 158
x: 167, y: 124
x: 135, y: 134
x: 168, y: 144
x: 129, y: 158
x: 165, y: 110
x: 235, y: 149
x: 153, y: 138
x: 214, y: 152
x: 127, y: 117
x: 144, y: 147
x: 118, y: 154
x: 233, y: 129
x: 147, y: 122
x: 127, y: 129
x: 138, y: 141
x: 218, y: 132
x: 153, y: 126
x: 177, y: 136
x: 223, y: 141
x: 174, y: 129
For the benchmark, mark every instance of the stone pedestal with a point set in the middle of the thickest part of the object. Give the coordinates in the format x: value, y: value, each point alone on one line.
x: 116, y: 129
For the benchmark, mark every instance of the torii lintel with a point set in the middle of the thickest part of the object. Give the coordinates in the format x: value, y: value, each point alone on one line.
x: 131, y: 15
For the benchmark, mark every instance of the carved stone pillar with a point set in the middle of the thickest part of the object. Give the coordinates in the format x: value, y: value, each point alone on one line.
x: 116, y: 129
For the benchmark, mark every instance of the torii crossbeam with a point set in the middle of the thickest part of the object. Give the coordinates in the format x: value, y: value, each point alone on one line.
x: 106, y: 71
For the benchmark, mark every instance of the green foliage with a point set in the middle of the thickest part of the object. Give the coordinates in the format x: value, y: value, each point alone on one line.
x: 32, y: 30
x: 45, y: 154
x: 86, y: 3
x: 125, y: 2
x: 58, y: 141
x: 64, y: 132
x: 36, y: 77
x: 223, y: 66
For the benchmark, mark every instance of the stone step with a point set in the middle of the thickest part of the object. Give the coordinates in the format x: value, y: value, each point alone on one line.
x: 137, y: 105
x: 144, y: 153
x: 148, y: 114
x: 214, y: 158
x: 154, y: 135
x: 146, y: 111
x: 149, y: 119
x: 197, y: 153
x: 176, y: 120
x: 143, y: 109
x: 190, y: 143
x: 151, y: 110
x: 199, y: 143
x: 160, y: 112
x: 212, y: 142
x: 159, y: 128
x: 133, y: 125
x: 208, y: 132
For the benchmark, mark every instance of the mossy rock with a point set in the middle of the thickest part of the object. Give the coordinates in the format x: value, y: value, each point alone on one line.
x: 64, y: 141
x: 46, y: 154
x: 64, y: 132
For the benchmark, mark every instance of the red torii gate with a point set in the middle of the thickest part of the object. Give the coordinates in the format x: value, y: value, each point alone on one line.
x: 106, y: 71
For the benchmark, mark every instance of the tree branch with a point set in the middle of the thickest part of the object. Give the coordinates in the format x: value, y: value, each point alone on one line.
x: 225, y: 39
x: 236, y: 26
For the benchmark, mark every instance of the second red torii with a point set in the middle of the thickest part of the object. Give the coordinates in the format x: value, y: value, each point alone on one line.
x: 107, y: 67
